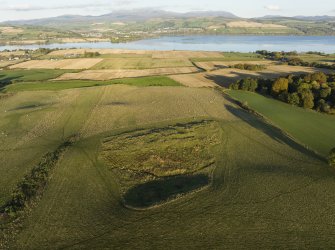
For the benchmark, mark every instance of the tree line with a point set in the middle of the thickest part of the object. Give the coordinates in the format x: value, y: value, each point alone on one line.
x: 247, y: 66
x: 311, y: 91
x: 292, y: 58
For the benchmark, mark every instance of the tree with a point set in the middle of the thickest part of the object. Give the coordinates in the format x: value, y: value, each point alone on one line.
x: 307, y: 99
x: 325, y: 91
x: 293, y: 99
x: 331, y: 157
x: 323, y: 106
x: 248, y: 84
x: 320, y: 77
x: 279, y: 86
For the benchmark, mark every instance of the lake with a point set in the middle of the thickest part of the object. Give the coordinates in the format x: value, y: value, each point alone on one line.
x: 210, y: 43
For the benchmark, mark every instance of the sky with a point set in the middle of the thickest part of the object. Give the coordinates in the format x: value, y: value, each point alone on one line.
x: 32, y: 9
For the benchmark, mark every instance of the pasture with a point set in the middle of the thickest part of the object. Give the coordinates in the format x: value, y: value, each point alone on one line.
x: 162, y: 158
x: 61, y: 85
x: 318, y: 129
x: 260, y: 182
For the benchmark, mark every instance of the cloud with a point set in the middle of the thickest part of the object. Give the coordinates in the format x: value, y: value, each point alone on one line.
x: 29, y: 7
x: 272, y: 7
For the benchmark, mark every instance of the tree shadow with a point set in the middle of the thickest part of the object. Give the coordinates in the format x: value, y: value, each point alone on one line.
x: 271, y: 131
x: 158, y: 191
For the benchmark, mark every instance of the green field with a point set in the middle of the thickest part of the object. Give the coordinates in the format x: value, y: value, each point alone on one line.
x: 157, y: 165
x: 259, y: 182
x: 59, y: 85
x: 311, y: 128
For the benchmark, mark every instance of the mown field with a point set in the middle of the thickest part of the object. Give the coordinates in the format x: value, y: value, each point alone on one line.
x: 311, y: 128
x: 159, y: 165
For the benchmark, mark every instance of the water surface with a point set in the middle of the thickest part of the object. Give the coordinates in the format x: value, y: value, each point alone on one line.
x: 210, y: 43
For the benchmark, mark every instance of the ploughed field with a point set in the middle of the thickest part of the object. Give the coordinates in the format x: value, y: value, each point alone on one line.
x: 157, y: 162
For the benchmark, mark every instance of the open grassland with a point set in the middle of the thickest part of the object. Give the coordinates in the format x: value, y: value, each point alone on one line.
x: 165, y: 166
x: 82, y: 63
x: 263, y: 190
x: 141, y: 63
x: 33, y: 123
x: 102, y: 75
x: 311, y: 128
x: 60, y: 85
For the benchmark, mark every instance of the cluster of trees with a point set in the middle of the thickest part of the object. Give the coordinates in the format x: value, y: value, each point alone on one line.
x: 311, y: 91
x: 296, y: 61
x: 91, y: 54
x: 276, y: 55
x: 292, y: 58
x: 251, y: 67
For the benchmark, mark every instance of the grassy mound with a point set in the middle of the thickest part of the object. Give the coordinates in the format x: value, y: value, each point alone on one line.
x: 145, y: 160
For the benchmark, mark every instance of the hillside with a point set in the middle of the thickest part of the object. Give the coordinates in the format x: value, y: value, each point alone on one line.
x: 143, y: 149
x: 122, y: 26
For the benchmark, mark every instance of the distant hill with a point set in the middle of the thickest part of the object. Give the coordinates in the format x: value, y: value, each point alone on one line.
x: 303, y: 18
x: 129, y: 15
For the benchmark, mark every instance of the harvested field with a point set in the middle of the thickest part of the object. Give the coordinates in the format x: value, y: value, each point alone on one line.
x: 193, y: 80
x: 116, y: 74
x: 11, y: 30
x: 84, y: 63
x: 141, y: 63
x: 155, y: 54
x: 101, y: 51
x: 185, y: 54
x: 245, y: 24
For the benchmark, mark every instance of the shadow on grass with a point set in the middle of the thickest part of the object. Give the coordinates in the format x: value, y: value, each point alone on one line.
x: 158, y: 191
x: 30, y: 106
x: 270, y: 130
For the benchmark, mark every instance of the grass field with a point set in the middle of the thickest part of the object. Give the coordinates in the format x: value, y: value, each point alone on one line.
x: 108, y: 74
x: 158, y: 165
x: 141, y: 63
x: 264, y: 189
x: 318, y: 129
x: 60, y: 85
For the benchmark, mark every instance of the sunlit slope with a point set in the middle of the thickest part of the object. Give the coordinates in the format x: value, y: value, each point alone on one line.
x: 265, y: 189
